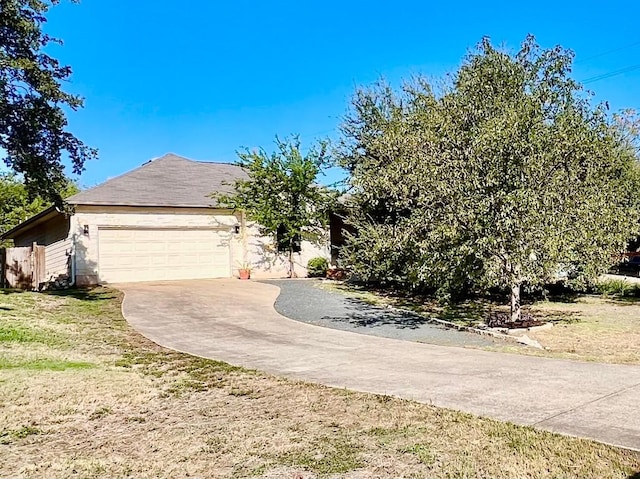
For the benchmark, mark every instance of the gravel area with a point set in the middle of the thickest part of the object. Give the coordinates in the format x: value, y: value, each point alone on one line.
x: 304, y: 300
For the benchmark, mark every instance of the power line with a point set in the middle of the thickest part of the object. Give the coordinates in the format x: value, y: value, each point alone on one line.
x: 608, y: 52
x: 611, y: 74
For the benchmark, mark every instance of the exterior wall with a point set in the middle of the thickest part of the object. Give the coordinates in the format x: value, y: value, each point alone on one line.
x: 61, y: 235
x: 265, y: 261
x: 54, y: 234
x: 87, y: 254
x: 58, y: 260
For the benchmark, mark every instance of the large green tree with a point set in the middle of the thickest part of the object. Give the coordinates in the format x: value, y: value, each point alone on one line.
x: 33, y: 124
x: 282, y: 195
x: 504, y: 176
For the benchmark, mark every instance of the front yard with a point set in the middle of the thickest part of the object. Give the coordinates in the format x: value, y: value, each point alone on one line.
x: 588, y: 328
x: 82, y: 395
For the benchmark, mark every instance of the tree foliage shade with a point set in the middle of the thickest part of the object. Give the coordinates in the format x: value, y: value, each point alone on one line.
x: 504, y: 176
x: 33, y: 124
x: 282, y: 195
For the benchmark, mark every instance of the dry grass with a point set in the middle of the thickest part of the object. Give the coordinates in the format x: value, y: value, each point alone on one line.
x: 587, y: 328
x: 592, y: 329
x: 133, y: 409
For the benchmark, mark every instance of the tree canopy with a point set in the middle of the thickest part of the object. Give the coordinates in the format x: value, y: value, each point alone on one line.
x: 33, y: 124
x: 504, y: 176
x: 282, y: 194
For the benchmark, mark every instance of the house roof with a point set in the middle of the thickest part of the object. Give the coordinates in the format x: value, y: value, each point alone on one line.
x: 170, y: 180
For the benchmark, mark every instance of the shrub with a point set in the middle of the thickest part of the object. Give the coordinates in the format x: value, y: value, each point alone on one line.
x: 618, y: 287
x: 317, y: 267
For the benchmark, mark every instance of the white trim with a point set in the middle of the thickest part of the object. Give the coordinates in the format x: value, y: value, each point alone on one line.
x: 152, y: 227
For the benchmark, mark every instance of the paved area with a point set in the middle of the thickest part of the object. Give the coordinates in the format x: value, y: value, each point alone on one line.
x: 305, y: 300
x: 234, y: 321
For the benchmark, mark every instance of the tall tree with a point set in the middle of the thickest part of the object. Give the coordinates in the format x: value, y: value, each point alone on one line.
x: 506, y: 176
x: 282, y: 194
x: 33, y: 123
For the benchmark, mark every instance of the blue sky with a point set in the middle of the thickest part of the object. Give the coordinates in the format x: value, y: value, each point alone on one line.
x: 204, y: 78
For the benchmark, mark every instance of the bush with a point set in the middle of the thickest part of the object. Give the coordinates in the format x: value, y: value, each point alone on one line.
x: 618, y: 287
x: 317, y: 267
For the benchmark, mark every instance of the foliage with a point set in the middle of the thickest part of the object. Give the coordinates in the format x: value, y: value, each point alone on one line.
x: 502, y: 177
x: 244, y: 265
x: 281, y: 194
x: 16, y: 204
x: 317, y: 267
x: 618, y: 287
x: 33, y: 123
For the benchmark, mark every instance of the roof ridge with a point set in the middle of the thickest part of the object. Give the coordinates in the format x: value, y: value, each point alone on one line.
x: 206, y: 162
x: 217, y: 162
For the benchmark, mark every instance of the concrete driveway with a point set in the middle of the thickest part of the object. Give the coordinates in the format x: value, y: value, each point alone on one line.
x: 234, y: 321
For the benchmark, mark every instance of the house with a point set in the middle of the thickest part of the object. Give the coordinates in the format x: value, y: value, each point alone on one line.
x: 156, y: 222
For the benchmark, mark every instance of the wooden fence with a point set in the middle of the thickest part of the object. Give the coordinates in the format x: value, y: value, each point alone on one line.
x: 22, y: 268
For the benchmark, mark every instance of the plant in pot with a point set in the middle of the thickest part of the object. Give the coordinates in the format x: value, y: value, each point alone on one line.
x: 244, y: 271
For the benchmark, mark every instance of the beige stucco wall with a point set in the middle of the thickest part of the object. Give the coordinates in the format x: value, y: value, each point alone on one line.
x: 60, y: 234
x: 87, y: 254
x: 261, y: 253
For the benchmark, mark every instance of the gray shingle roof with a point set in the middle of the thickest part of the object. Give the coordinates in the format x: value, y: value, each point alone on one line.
x: 170, y: 180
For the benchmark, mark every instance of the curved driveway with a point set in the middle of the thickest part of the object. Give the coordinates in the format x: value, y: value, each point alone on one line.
x: 234, y: 321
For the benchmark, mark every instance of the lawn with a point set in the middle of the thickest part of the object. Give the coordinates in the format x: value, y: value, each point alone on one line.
x: 602, y: 328
x: 84, y: 396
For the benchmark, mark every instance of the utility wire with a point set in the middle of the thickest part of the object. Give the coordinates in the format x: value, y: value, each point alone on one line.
x: 611, y: 74
x: 608, y: 52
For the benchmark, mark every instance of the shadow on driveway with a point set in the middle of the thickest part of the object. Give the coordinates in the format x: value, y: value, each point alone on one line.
x: 304, y: 300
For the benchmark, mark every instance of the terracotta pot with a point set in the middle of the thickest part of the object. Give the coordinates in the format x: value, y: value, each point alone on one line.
x: 245, y: 273
x: 337, y: 274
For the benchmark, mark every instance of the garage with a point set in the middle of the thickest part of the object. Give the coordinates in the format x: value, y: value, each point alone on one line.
x: 152, y: 254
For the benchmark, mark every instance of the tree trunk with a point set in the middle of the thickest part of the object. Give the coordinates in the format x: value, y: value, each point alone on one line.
x: 516, y: 311
x: 292, y: 273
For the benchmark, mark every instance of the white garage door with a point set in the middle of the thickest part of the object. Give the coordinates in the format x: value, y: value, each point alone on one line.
x: 133, y: 254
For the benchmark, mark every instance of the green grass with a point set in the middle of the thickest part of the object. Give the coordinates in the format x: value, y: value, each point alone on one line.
x: 43, y: 364
x: 19, y: 333
x: 326, y: 455
x: 7, y: 436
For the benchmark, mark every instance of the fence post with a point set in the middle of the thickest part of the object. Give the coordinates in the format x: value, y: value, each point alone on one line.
x: 39, y: 270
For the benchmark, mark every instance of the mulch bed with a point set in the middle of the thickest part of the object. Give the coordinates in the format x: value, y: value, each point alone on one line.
x: 499, y: 319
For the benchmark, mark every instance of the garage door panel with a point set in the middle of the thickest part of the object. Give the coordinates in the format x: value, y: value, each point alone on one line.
x: 131, y: 254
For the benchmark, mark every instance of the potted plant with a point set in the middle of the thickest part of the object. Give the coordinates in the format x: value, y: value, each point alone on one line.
x: 244, y: 271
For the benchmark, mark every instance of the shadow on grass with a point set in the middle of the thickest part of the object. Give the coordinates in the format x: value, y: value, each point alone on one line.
x: 634, y: 476
x: 84, y: 294
x: 467, y: 314
x: 11, y: 291
x: 473, y: 311
x: 623, y: 301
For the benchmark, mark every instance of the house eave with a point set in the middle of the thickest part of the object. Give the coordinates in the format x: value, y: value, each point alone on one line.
x: 29, y: 223
x: 144, y: 205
